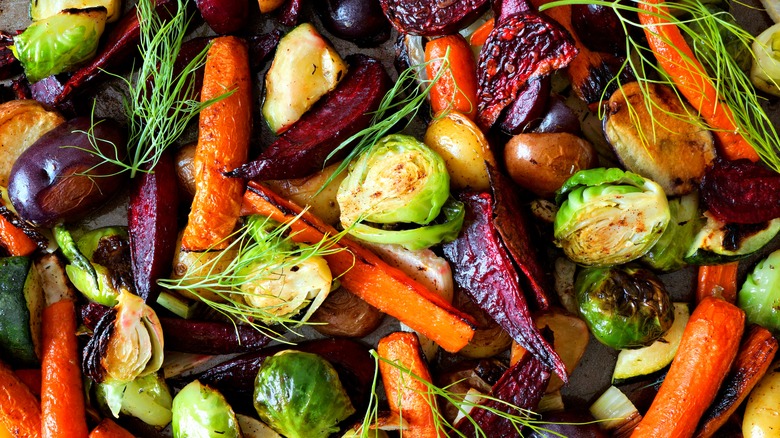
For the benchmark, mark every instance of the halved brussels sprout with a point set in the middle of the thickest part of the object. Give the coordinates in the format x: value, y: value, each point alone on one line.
x: 624, y: 306
x: 146, y: 398
x: 399, y: 179
x: 608, y: 216
x: 127, y: 342
x: 759, y: 296
x: 300, y: 395
x: 59, y: 43
x: 202, y: 412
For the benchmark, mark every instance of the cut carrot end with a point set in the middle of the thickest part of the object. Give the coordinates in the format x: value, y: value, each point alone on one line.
x: 479, y: 37
x: 14, y: 240
x: 719, y: 281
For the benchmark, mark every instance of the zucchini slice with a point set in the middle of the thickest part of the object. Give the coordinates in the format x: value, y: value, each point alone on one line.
x: 643, y: 362
x: 718, y: 242
x: 41, y: 9
x: 21, y: 305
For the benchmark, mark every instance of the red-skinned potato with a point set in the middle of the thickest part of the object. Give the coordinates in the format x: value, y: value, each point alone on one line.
x: 59, y: 178
x: 543, y: 162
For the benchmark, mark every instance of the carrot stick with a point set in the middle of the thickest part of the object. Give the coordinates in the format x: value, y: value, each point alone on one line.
x: 707, y: 349
x: 406, y: 395
x: 677, y: 59
x: 223, y: 144
x: 753, y: 360
x: 480, y: 35
x: 62, y: 396
x: 718, y: 281
x: 20, y: 411
x: 109, y: 429
x: 457, y: 88
x: 363, y: 273
x: 31, y: 378
x: 14, y: 240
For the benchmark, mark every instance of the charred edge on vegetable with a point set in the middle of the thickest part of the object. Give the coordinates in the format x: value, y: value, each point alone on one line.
x: 741, y: 191
x: 113, y: 252
x: 97, y: 347
x: 432, y: 17
x: 40, y: 240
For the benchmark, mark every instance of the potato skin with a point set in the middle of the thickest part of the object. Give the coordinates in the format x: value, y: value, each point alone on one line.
x: 464, y: 148
x: 543, y: 162
x: 22, y: 123
x: 762, y: 412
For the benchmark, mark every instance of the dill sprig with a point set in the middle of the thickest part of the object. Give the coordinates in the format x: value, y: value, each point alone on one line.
x: 704, y: 28
x: 523, y: 419
x: 159, y: 102
x: 261, y: 250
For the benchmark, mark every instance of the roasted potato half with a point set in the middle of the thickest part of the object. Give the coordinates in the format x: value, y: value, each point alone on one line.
x: 661, y: 138
x: 22, y: 123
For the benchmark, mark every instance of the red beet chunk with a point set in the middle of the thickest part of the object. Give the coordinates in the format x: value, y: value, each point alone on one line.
x: 741, y: 192
x: 432, y: 17
x: 224, y: 16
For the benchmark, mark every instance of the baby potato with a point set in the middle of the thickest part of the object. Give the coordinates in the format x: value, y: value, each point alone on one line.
x: 464, y: 149
x: 762, y: 412
x: 543, y: 162
x: 185, y: 170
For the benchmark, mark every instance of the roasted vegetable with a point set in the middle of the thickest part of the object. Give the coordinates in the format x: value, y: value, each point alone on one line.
x: 22, y: 123
x: 225, y: 16
x: 312, y: 192
x: 146, y: 398
x: 21, y: 305
x: 668, y: 254
x: 345, y: 314
x: 741, y: 192
x: 300, y: 395
x: 762, y: 416
x: 289, y: 92
x: 200, y: 411
x: 429, y: 18
x: 127, y: 343
x: 720, y: 242
x: 608, y: 216
x: 59, y: 43
x: 60, y: 177
x: 359, y: 21
x: 624, y: 306
x: 759, y: 296
x: 765, y: 73
x: 655, y: 135
x: 731, y: 44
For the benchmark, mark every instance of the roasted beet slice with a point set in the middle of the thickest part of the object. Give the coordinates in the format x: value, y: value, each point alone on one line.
x: 528, y: 108
x: 290, y: 13
x: 153, y: 227
x: 522, y: 386
x: 511, y: 223
x: 9, y: 66
x: 599, y: 28
x: 741, y: 192
x: 304, y: 148
x: 261, y: 47
x: 506, y: 65
x: 211, y: 337
x: 432, y: 17
x: 224, y: 16
x: 503, y: 9
x: 483, y: 269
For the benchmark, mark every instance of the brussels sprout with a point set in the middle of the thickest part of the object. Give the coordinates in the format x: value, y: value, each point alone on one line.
x: 624, y: 306
x: 146, y: 398
x: 202, y: 412
x: 669, y: 252
x: 759, y: 296
x: 608, y: 216
x: 398, y: 179
x: 300, y: 395
x: 59, y: 43
x: 765, y: 73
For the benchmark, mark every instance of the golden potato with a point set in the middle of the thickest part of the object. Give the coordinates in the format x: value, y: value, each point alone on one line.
x: 762, y: 412
x: 543, y: 162
x: 464, y: 149
x: 22, y: 123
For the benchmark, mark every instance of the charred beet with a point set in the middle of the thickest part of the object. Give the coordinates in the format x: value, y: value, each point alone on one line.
x: 432, y: 17
x: 359, y: 21
x: 741, y: 191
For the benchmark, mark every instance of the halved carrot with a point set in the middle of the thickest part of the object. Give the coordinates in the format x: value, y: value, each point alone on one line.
x: 707, y: 350
x: 480, y: 35
x: 718, y: 281
x: 14, y: 240
x: 363, y: 273
x: 457, y: 87
x: 109, y: 429
x: 407, y: 395
x: 677, y: 59
x: 32, y: 378
x: 223, y: 144
x: 62, y: 395
x: 20, y: 411
x: 753, y: 360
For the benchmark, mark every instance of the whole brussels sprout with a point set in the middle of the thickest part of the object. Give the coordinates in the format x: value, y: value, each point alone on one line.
x: 202, y: 412
x: 759, y: 296
x: 300, y: 395
x: 608, y: 216
x: 624, y: 306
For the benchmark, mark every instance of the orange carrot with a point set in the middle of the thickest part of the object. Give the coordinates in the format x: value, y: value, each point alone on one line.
x: 457, y: 88
x: 109, y: 429
x: 20, y: 411
x: 753, y: 360
x: 62, y: 395
x: 31, y: 378
x: 707, y: 350
x: 718, y: 281
x: 14, y: 240
x: 223, y: 144
x: 479, y: 37
x: 677, y: 59
x: 406, y: 394
x: 363, y: 273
